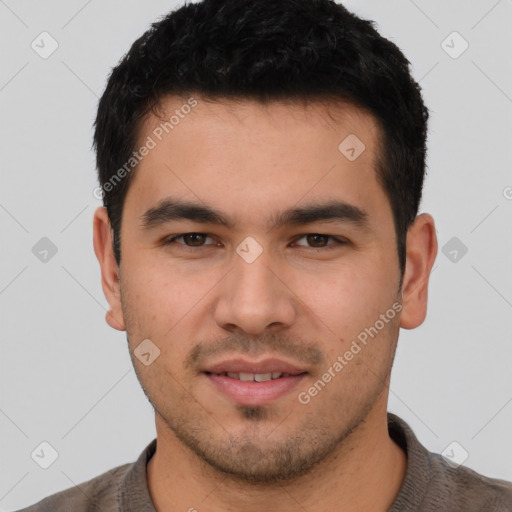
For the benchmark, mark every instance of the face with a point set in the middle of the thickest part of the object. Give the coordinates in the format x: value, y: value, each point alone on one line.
x: 251, y: 244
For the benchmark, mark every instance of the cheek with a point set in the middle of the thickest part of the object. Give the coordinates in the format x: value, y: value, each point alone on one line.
x: 347, y: 300
x: 163, y: 298
x: 155, y: 283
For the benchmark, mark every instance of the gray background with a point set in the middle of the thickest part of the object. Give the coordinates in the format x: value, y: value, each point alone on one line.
x: 66, y: 377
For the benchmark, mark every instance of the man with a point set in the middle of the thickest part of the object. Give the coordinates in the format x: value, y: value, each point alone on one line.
x: 261, y: 165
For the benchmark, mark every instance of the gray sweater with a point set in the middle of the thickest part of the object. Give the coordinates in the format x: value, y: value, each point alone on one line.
x: 431, y: 484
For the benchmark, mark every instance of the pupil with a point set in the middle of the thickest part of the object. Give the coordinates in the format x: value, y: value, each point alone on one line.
x: 316, y: 236
x: 194, y: 236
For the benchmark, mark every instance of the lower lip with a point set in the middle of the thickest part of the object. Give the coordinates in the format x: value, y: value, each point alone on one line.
x: 255, y: 393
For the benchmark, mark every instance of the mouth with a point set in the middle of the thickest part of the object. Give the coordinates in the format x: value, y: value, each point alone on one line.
x: 249, y: 383
x: 255, y: 377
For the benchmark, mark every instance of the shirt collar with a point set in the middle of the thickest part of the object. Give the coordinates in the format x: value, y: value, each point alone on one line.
x: 133, y: 493
x: 418, y: 474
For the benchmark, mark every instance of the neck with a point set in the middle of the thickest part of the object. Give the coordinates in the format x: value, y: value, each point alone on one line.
x: 364, y: 474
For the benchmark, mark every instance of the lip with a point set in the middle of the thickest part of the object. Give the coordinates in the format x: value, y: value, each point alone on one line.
x: 254, y: 393
x: 243, y: 366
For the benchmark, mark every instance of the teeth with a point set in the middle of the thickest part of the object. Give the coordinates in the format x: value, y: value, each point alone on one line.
x: 254, y: 377
x: 262, y: 377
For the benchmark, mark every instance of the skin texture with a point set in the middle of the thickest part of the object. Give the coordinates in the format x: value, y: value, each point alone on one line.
x: 302, y: 300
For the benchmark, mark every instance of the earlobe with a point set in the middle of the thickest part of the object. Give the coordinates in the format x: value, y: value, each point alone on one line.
x: 421, y: 254
x: 111, y: 320
x: 102, y: 240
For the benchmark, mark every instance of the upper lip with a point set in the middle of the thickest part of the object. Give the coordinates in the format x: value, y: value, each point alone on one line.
x: 244, y: 366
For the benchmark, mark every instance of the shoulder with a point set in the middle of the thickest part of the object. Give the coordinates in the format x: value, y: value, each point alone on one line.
x: 469, y: 490
x: 435, y: 484
x: 98, y: 493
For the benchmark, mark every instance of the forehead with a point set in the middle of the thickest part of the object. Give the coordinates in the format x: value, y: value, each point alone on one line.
x: 309, y: 116
x: 257, y: 155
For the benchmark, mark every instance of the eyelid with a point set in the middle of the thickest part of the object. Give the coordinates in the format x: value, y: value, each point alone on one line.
x: 338, y: 241
x: 172, y: 239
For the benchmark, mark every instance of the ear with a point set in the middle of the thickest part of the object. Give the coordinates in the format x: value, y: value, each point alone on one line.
x: 421, y: 254
x: 103, y: 248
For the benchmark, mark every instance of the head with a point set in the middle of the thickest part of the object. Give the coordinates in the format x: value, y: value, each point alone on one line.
x: 291, y: 138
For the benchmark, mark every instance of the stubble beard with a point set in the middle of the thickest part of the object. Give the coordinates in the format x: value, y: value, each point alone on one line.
x: 251, y: 457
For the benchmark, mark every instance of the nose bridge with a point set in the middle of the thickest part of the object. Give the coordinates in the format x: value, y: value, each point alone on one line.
x: 252, y: 296
x: 254, y: 278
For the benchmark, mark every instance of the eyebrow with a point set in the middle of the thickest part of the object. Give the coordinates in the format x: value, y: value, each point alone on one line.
x: 172, y: 209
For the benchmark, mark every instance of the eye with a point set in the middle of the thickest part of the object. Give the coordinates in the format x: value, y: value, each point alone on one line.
x: 189, y: 239
x: 314, y: 241
x: 319, y: 241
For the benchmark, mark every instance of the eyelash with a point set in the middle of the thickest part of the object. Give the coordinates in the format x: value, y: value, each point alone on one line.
x: 338, y: 241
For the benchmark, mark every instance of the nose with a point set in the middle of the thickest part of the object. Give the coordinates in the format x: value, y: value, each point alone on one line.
x: 254, y: 297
